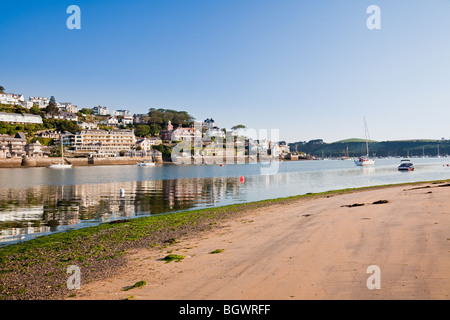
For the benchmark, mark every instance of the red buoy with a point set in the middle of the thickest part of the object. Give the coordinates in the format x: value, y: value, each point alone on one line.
x: 242, y: 179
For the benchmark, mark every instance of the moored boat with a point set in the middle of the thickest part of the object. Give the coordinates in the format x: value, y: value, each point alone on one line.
x: 406, y: 165
x: 146, y: 163
x: 61, y: 165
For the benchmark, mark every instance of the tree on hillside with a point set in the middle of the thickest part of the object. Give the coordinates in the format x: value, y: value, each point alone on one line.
x: 52, y: 109
x: 2, y: 89
x: 161, y: 117
x: 142, y: 130
x: 238, y: 126
x: 87, y: 111
x: 35, y: 110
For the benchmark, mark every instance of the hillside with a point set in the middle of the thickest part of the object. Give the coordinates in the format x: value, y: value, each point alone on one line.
x: 357, y: 147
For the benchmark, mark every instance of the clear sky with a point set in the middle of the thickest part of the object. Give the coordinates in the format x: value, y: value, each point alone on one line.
x: 311, y: 69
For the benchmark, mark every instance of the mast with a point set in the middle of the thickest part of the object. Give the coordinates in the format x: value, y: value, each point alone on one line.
x: 367, y: 137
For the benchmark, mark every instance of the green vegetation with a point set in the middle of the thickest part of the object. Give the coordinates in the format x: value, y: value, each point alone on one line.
x: 238, y: 126
x: 136, y: 285
x: 52, y: 109
x: 86, y: 111
x: 165, y: 150
x: 354, y: 140
x: 217, y: 251
x: 161, y: 117
x: 173, y: 257
x: 357, y: 147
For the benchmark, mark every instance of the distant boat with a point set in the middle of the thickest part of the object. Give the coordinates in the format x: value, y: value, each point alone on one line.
x: 365, y: 160
x: 61, y: 165
x: 406, y: 165
x: 146, y: 163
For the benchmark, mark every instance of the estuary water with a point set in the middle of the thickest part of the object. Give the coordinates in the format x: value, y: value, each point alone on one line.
x: 40, y: 201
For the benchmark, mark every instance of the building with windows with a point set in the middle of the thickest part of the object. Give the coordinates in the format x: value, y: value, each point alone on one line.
x: 147, y: 143
x: 110, y: 121
x: 101, y: 142
x: 12, y: 146
x: 67, y: 107
x: 122, y: 113
x: 12, y: 99
x: 19, y: 117
x: 101, y: 111
x: 40, y: 102
x: 185, y: 134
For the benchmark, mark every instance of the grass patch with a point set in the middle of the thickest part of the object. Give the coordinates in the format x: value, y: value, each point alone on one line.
x: 173, y: 257
x: 138, y: 284
x: 217, y: 251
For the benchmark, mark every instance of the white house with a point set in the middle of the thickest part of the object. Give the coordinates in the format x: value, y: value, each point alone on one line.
x: 147, y: 143
x: 40, y: 102
x: 101, y: 111
x: 209, y: 123
x: 185, y: 133
x: 215, y: 132
x: 122, y: 113
x: 12, y: 98
x: 68, y: 107
x: 111, y: 121
x: 87, y: 125
x: 128, y: 119
x: 65, y: 116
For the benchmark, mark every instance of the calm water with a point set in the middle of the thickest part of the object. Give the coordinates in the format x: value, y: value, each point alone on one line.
x: 38, y: 201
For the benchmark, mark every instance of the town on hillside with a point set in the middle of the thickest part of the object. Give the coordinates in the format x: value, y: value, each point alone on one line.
x: 40, y: 127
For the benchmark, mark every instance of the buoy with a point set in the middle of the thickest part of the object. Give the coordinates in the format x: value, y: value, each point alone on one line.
x: 242, y: 179
x: 122, y: 192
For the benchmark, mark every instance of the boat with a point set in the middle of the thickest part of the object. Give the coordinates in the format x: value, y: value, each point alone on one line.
x: 406, y: 165
x: 60, y: 165
x: 146, y: 163
x: 365, y: 160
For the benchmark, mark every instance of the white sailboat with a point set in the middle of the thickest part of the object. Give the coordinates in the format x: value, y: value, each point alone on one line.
x: 365, y: 160
x: 61, y: 165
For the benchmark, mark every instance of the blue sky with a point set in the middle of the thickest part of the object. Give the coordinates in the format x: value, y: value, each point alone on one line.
x: 311, y: 69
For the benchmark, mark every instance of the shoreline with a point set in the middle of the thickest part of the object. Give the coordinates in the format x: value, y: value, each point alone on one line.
x: 108, y: 161
x: 102, y: 251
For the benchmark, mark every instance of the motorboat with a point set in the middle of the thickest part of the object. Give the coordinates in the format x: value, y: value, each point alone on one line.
x: 406, y: 165
x: 146, y: 163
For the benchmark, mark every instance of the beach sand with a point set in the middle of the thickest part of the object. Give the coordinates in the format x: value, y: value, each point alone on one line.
x: 313, y: 248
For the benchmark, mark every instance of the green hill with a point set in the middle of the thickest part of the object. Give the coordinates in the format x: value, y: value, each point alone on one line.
x: 357, y: 147
x: 354, y: 140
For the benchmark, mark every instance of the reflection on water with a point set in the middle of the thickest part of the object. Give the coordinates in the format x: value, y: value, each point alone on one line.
x: 39, y: 201
x: 45, y: 209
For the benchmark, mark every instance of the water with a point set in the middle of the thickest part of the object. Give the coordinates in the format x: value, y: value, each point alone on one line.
x: 39, y: 201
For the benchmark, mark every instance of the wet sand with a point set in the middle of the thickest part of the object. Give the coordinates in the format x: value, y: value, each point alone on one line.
x: 317, y: 248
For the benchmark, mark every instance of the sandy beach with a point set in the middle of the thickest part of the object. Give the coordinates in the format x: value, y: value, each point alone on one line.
x: 313, y: 248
